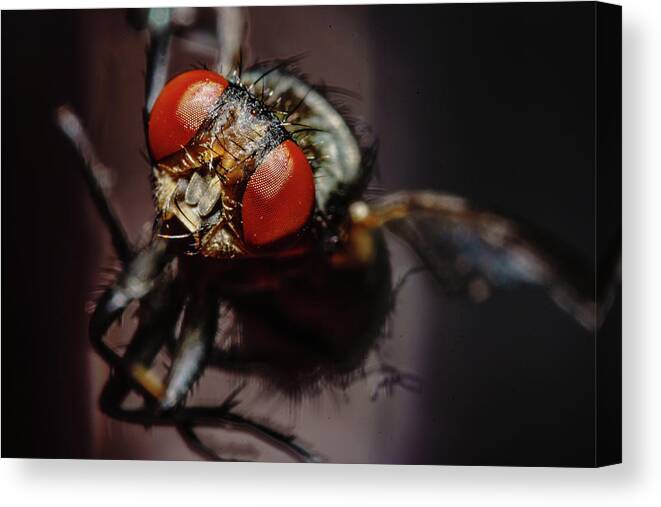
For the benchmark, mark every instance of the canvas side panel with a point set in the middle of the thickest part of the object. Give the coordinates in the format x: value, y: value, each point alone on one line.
x: 608, y: 188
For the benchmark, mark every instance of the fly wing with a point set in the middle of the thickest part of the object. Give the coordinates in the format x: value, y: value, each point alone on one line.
x: 472, y: 251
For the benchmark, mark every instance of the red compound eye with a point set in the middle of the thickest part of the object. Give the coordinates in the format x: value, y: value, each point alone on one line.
x: 181, y: 108
x: 279, y: 196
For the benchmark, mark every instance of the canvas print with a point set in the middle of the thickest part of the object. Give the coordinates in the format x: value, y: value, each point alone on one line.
x: 346, y: 234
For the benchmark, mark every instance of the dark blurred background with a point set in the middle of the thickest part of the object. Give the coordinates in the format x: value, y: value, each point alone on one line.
x: 491, y: 102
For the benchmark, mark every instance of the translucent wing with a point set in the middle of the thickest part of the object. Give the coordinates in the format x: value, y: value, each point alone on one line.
x: 471, y: 251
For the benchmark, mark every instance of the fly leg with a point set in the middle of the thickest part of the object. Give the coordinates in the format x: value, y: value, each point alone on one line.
x: 141, y: 276
x: 160, y: 306
x: 230, y: 30
x: 187, y: 432
x: 149, y: 337
x: 158, y: 55
x: 193, y: 352
x: 195, y: 444
x: 96, y: 176
x: 185, y: 419
x: 143, y: 270
x: 198, y: 331
x: 286, y: 443
x: 388, y: 377
x: 158, y: 315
